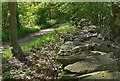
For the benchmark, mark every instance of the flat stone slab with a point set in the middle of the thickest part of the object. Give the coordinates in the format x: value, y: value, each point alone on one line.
x: 65, y: 60
x: 91, y: 64
x: 101, y: 75
x: 82, y: 67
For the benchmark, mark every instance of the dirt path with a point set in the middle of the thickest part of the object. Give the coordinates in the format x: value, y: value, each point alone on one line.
x: 32, y: 36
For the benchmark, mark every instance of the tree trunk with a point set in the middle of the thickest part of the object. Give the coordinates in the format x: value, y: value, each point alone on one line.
x: 114, y: 21
x: 13, y: 32
x: 17, y: 17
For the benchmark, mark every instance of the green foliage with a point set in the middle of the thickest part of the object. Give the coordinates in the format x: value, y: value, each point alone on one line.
x: 22, y: 32
x: 98, y: 13
x: 35, y: 16
x: 42, y: 17
x: 5, y: 34
x: 48, y: 24
x: 27, y: 18
x: 30, y: 14
x: 4, y: 15
x: 7, y: 75
x: 7, y: 53
x: 31, y: 17
x: 25, y: 31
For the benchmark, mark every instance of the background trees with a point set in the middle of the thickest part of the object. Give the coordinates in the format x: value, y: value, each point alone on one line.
x: 32, y: 16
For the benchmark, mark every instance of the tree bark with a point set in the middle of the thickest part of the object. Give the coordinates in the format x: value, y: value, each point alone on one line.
x: 17, y: 17
x: 13, y: 32
x: 114, y: 22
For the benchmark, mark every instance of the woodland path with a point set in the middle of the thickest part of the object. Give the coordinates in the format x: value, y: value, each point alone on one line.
x: 32, y: 36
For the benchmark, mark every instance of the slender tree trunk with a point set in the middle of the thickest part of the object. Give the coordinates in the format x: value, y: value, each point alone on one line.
x: 13, y: 32
x: 12, y: 26
x: 114, y: 20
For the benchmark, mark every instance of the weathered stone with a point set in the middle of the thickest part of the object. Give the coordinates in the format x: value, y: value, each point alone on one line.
x: 103, y: 46
x: 69, y: 43
x: 84, y: 22
x: 89, y: 52
x: 98, y: 53
x: 82, y: 67
x: 64, y: 52
x: 62, y: 76
x: 76, y: 49
x: 101, y: 75
x: 66, y: 48
x: 92, y: 63
x: 96, y: 40
x: 91, y: 28
x: 94, y: 75
x: 102, y: 59
x: 77, y: 41
x: 106, y: 62
x: 82, y: 47
x: 65, y: 60
x: 72, y: 49
x: 106, y: 46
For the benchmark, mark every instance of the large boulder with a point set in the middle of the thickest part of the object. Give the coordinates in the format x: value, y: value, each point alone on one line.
x: 95, y: 40
x: 67, y: 45
x: 103, y: 46
x: 101, y: 75
x: 63, y: 76
x: 106, y: 46
x: 81, y: 67
x: 102, y: 59
x: 65, y: 60
x: 101, y: 53
x: 84, y: 22
x: 65, y: 49
x: 64, y: 52
x: 71, y: 49
x: 90, y: 28
x: 91, y: 64
x: 80, y: 48
x: 76, y: 49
